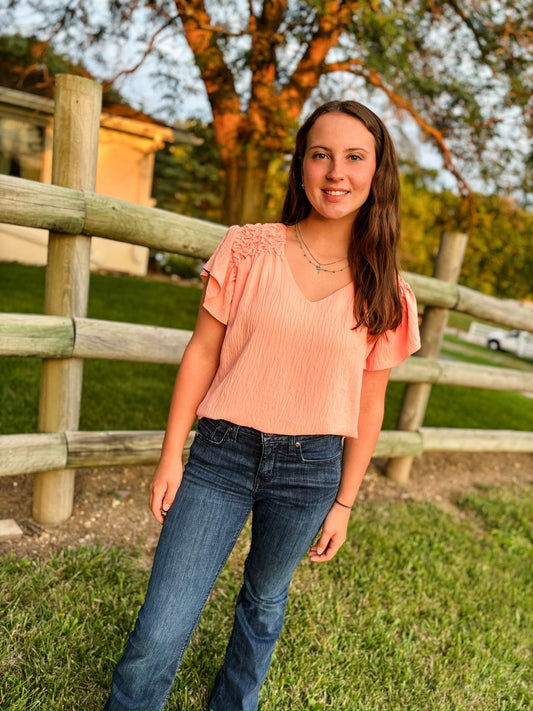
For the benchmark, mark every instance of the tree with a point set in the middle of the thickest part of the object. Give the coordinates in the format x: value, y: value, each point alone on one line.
x: 457, y: 68
x: 187, y: 178
x: 30, y: 65
x: 498, y: 260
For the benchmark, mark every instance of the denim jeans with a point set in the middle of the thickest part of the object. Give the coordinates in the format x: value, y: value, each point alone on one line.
x: 289, y: 484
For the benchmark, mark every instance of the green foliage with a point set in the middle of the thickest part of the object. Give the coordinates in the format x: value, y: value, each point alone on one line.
x: 188, y: 178
x: 183, y: 267
x: 449, y: 65
x: 276, y: 186
x: 420, y: 237
x: 419, y: 609
x: 28, y: 64
x: 498, y: 258
x: 18, y: 50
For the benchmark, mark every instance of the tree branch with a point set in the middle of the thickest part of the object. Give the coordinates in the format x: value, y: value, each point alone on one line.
x: 334, y: 20
x: 467, y: 20
x: 149, y: 48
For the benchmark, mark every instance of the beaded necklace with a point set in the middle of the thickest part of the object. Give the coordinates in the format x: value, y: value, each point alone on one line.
x: 319, y: 266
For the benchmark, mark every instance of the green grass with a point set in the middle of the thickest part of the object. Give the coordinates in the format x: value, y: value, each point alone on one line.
x: 122, y: 395
x: 420, y: 610
x: 116, y: 395
x: 466, y: 408
x: 113, y: 298
x: 456, y: 348
x: 456, y: 319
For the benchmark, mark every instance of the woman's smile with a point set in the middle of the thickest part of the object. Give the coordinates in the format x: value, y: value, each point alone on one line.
x: 336, y: 193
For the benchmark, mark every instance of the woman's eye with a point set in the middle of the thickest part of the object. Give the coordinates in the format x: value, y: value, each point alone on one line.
x: 319, y: 155
x: 354, y: 156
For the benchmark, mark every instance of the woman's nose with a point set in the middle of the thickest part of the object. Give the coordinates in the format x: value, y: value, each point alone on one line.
x: 335, y: 170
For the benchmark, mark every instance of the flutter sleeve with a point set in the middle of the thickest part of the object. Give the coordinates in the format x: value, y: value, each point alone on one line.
x: 221, y: 269
x: 393, y: 347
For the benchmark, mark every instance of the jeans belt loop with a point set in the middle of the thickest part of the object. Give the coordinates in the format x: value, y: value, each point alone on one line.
x: 292, y: 443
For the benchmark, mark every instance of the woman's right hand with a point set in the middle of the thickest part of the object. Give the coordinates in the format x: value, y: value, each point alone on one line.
x: 164, y: 486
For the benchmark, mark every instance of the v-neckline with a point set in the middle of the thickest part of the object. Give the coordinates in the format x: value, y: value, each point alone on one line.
x: 296, y: 285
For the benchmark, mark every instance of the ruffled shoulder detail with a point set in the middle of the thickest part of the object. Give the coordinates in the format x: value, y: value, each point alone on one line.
x: 408, y: 295
x: 393, y: 347
x: 229, y: 260
x: 250, y: 240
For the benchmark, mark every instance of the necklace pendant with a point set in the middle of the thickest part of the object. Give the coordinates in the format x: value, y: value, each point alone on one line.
x: 318, y: 269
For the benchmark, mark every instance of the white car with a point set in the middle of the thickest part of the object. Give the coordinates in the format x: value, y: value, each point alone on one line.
x: 515, y: 341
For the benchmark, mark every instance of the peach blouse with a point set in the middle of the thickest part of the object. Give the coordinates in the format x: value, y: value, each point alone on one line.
x: 289, y: 365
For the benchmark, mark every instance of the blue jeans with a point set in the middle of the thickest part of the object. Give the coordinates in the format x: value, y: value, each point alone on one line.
x: 289, y: 483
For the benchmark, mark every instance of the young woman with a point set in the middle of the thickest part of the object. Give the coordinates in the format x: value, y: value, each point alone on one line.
x: 287, y: 368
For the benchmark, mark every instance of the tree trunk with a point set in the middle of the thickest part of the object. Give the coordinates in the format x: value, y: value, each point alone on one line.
x: 246, y: 176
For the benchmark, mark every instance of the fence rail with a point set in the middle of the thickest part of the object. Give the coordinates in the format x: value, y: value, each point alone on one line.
x: 41, y: 336
x: 30, y: 204
x: 65, y: 335
x: 33, y: 453
x: 77, y: 212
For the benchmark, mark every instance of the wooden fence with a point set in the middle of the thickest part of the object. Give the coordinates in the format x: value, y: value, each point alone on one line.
x: 64, y: 336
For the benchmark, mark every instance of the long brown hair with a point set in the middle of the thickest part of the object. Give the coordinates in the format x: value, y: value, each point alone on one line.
x: 373, y: 250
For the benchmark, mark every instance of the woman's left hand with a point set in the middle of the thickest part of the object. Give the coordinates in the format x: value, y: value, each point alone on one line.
x: 332, y: 536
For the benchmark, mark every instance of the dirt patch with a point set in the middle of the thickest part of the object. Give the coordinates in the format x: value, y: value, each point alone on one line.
x: 111, y: 504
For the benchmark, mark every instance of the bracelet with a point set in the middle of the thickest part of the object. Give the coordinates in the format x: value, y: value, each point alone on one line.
x: 343, y: 505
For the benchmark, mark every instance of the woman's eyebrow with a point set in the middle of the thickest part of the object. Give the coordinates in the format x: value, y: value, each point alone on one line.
x: 347, y: 150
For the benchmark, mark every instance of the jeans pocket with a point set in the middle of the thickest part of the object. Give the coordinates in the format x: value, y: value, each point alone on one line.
x: 319, y: 448
x: 213, y: 431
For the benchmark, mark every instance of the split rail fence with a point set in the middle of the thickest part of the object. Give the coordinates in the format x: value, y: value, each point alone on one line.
x: 63, y: 336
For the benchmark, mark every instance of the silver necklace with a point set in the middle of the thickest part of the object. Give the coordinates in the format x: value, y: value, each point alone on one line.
x: 319, y: 266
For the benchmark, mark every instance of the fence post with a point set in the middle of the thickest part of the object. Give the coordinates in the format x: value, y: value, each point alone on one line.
x: 416, y: 395
x: 75, y: 149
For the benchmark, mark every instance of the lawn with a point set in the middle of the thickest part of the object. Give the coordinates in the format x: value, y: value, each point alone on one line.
x: 122, y: 395
x: 421, y: 609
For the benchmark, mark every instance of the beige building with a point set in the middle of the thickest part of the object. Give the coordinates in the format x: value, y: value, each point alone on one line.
x: 125, y: 170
